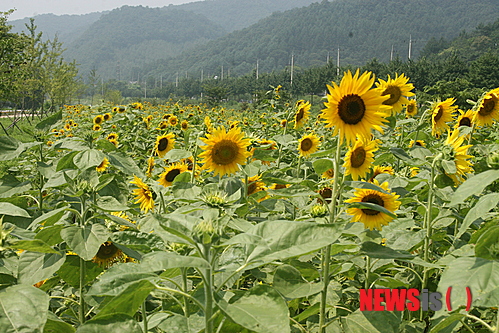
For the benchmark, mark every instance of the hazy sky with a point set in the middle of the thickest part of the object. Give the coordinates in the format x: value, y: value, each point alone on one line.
x: 28, y: 8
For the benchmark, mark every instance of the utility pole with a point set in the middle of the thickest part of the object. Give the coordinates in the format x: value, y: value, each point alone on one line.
x: 292, y: 67
x: 391, y: 54
x: 410, y: 45
x: 145, y: 89
x: 161, y: 82
x: 338, y: 63
x: 257, y: 69
x: 222, y: 77
x: 202, y: 74
x: 327, y: 58
x: 176, y: 80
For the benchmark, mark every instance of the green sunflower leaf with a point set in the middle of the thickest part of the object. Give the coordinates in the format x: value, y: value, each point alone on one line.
x: 85, y: 241
x: 116, y: 323
x: 371, y: 206
x: 473, y: 186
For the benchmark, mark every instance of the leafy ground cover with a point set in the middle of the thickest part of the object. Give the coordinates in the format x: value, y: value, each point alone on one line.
x: 185, y: 218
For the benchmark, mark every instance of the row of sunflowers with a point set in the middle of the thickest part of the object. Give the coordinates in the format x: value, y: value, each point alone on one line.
x: 185, y: 218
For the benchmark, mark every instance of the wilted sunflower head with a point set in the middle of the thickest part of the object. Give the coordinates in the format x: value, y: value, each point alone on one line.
x: 353, y: 108
x: 308, y: 145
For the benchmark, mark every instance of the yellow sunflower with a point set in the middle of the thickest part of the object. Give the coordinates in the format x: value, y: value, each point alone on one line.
x: 164, y: 143
x: 108, y: 254
x: 464, y: 119
x: 377, y: 170
x: 173, y: 120
x: 308, y: 145
x: 96, y: 127
x: 411, y: 109
x: 103, y: 165
x: 184, y: 125
x: 255, y: 185
x: 460, y: 156
x: 143, y: 195
x: 112, y: 136
x: 163, y: 124
x: 99, y: 119
x: 487, y: 108
x: 353, y: 108
x: 168, y: 176
x: 398, y: 89
x: 328, y: 174
x: 359, y: 158
x: 224, y: 151
x: 107, y: 116
x: 207, y: 124
x: 302, y: 113
x: 441, y: 114
x: 150, y: 166
x: 370, y: 217
x: 419, y: 143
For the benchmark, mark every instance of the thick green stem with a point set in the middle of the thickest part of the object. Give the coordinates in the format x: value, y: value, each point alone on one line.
x: 326, y: 253
x: 208, y: 291
x: 82, y: 284
x: 144, y: 316
x: 184, y: 287
x: 368, y: 271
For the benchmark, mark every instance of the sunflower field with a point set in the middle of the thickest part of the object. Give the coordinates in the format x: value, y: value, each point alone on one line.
x: 283, y: 218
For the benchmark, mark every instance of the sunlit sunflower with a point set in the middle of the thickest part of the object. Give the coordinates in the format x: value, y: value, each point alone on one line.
x: 137, y: 106
x: 168, y: 176
x: 184, y: 125
x: 308, y: 145
x: 112, y: 136
x: 302, y: 113
x: 328, y: 174
x: 419, y: 143
x: 441, y: 114
x: 255, y: 184
x: 359, y: 158
x: 207, y: 124
x: 460, y: 157
x: 164, y: 143
x: 173, y: 120
x: 398, y: 89
x: 143, y: 195
x: 103, y: 165
x: 99, y: 119
x: 114, y: 142
x: 411, y: 109
x: 276, y: 186
x: 370, y: 217
x: 121, y: 109
x: 107, y: 116
x: 224, y: 151
x: 464, y: 119
x: 487, y: 108
x: 150, y: 166
x: 96, y: 127
x: 163, y: 124
x: 353, y: 108
x: 107, y: 255
x: 284, y: 123
x: 377, y: 170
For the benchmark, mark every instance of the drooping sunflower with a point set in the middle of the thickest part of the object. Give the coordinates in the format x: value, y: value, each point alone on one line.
x: 103, y: 165
x: 168, y: 176
x: 460, y: 156
x: 464, y: 119
x: 150, y: 166
x: 308, y: 145
x: 359, y: 158
x: 411, y: 109
x: 370, y: 217
x: 164, y: 143
x: 224, y: 151
x: 353, y: 108
x: 441, y: 114
x: 398, y: 89
x: 99, y: 119
x: 487, y: 108
x: 143, y: 195
x: 108, y: 254
x: 302, y: 113
x: 255, y: 184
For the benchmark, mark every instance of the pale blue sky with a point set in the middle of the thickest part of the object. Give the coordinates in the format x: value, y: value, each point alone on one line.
x: 28, y: 8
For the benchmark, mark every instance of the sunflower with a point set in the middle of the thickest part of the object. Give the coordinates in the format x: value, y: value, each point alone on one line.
x: 164, y: 143
x: 143, y: 195
x: 163, y: 124
x: 398, y: 89
x: 419, y: 143
x: 255, y: 185
x: 96, y: 127
x: 224, y: 151
x: 353, y: 108
x: 284, y: 123
x: 137, y: 106
x: 328, y: 174
x: 359, y: 158
x: 377, y: 170
x: 99, y: 119
x: 464, y: 119
x: 103, y: 165
x: 108, y: 254
x: 184, y: 125
x: 207, y: 124
x: 308, y: 145
x: 487, y: 109
x: 173, y: 120
x: 276, y: 186
x: 150, y: 166
x: 302, y: 113
x: 107, y: 116
x: 269, y: 144
x: 168, y: 176
x: 121, y: 109
x: 441, y: 113
x: 460, y: 156
x: 370, y: 217
x: 112, y: 136
x: 411, y: 109
x: 114, y: 142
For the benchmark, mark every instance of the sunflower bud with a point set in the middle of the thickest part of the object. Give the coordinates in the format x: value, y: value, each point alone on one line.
x: 318, y: 211
x: 215, y: 199
x: 493, y: 160
x: 204, y: 232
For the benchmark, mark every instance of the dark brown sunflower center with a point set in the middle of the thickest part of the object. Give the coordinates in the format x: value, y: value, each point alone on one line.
x: 98, y: 120
x: 418, y: 144
x: 162, y: 144
x: 170, y: 176
x: 488, y: 106
x: 351, y: 109
x: 106, y: 117
x: 411, y: 108
x: 107, y: 250
x: 374, y: 199
x: 300, y: 114
x: 252, y: 187
x: 358, y: 157
x: 465, y: 122
x: 279, y: 186
x: 306, y: 144
x: 394, y: 93
x: 225, y: 152
x: 439, y: 114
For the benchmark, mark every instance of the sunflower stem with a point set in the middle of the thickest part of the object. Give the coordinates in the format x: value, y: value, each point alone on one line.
x: 208, y: 291
x: 326, y: 252
x: 298, y: 168
x: 368, y: 271
x: 144, y: 316
x: 194, y: 161
x: 82, y: 284
x: 184, y: 287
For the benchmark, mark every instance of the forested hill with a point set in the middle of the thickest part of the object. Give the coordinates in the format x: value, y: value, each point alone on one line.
x: 361, y: 29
